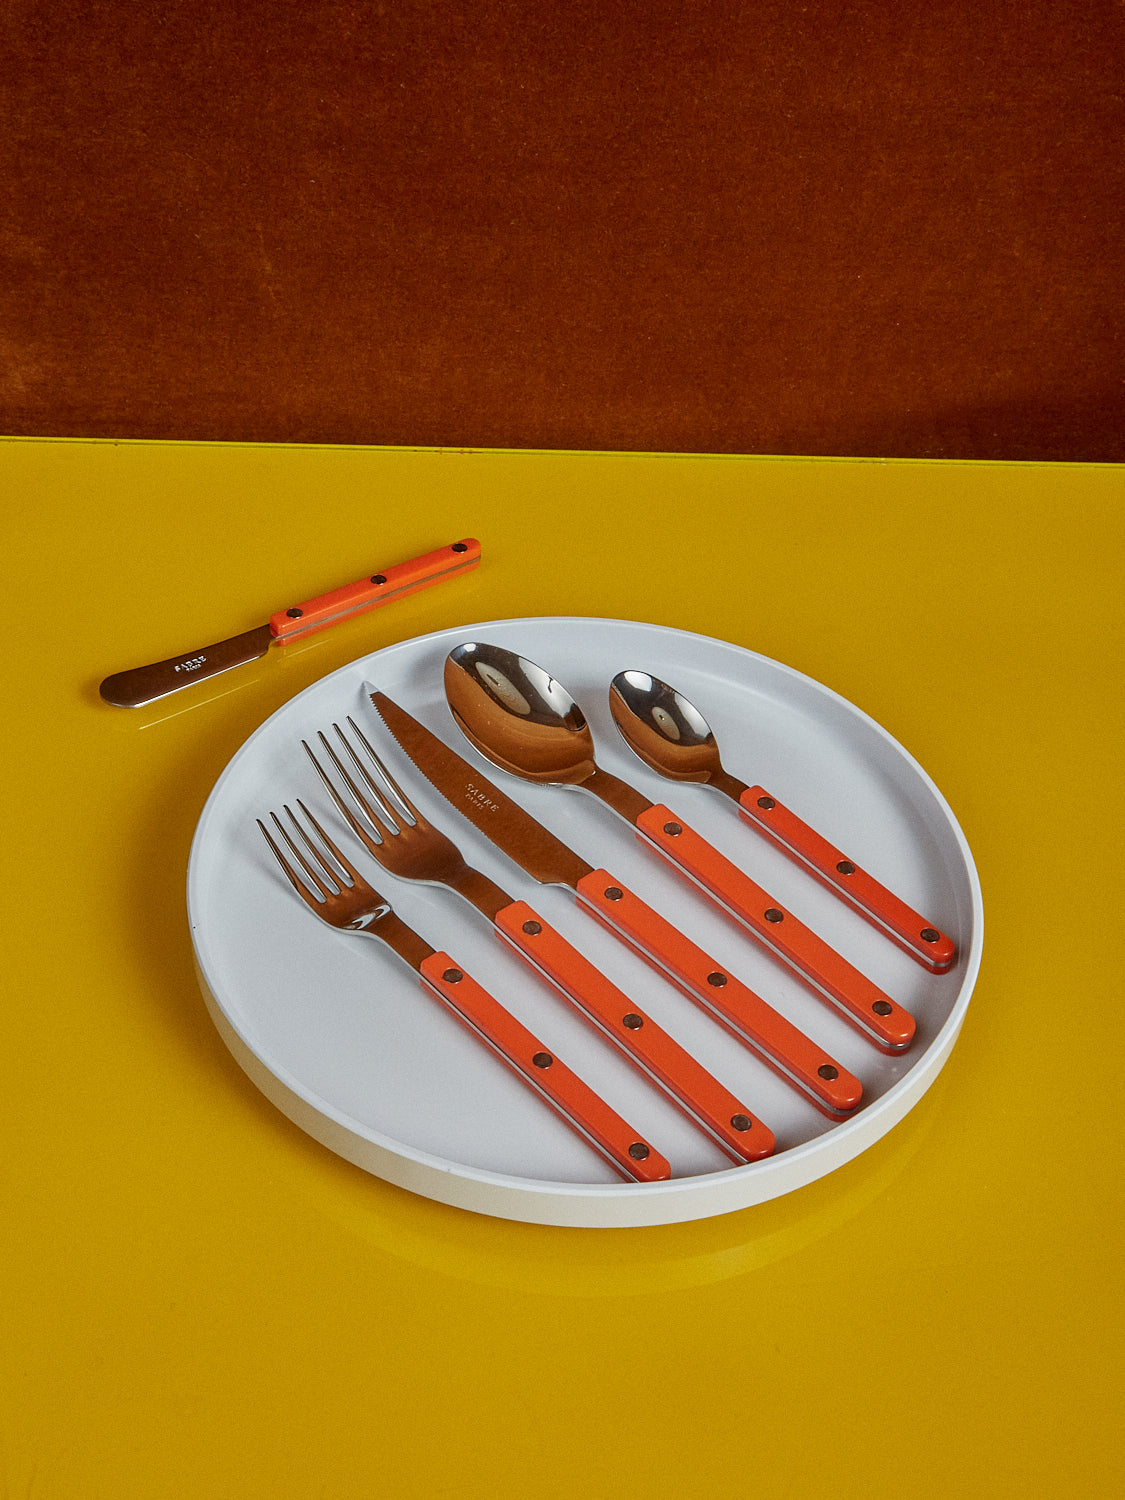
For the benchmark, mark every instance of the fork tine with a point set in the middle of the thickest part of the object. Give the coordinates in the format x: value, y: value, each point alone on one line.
x: 345, y: 811
x: 301, y: 890
x: 316, y: 876
x: 302, y: 887
x: 352, y: 873
x: 386, y: 808
x: 403, y: 800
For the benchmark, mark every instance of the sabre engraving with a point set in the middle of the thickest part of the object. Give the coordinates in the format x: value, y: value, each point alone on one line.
x: 481, y: 799
x: 191, y: 665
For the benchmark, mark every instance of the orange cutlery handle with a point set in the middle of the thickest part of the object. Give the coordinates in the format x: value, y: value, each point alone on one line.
x: 573, y: 1099
x: 882, y: 908
x: 379, y: 588
x: 729, y: 1123
x: 777, y: 1041
x: 880, y: 1019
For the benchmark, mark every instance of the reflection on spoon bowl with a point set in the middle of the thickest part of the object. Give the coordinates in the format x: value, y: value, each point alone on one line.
x: 518, y: 716
x: 666, y: 730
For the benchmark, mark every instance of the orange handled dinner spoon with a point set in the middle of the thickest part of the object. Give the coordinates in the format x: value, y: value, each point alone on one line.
x: 518, y: 716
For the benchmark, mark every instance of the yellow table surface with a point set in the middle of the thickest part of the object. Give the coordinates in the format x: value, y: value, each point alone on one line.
x: 201, y: 1301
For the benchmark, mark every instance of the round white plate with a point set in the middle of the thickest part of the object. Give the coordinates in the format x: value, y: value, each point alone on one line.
x: 341, y: 1036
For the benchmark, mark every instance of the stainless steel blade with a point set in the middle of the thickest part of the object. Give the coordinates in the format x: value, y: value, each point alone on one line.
x: 531, y: 846
x: 143, y: 685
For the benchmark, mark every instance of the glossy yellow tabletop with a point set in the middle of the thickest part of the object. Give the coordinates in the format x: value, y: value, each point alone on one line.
x: 200, y: 1301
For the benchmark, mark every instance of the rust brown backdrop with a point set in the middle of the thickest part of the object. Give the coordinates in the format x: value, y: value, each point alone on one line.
x: 827, y: 228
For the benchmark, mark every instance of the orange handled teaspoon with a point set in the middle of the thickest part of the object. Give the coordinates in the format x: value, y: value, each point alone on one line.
x: 672, y: 737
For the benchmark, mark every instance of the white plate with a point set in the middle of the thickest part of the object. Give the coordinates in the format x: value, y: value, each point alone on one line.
x: 343, y: 1039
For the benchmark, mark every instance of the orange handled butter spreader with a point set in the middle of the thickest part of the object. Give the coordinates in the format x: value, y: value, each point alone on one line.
x: 142, y: 685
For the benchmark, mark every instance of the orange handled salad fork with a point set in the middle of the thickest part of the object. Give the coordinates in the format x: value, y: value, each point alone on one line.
x: 333, y: 889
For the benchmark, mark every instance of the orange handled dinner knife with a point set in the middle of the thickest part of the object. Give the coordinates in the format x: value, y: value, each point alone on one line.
x: 142, y: 685
x: 785, y: 1049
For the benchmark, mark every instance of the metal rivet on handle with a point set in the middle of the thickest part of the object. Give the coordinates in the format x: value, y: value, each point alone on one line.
x: 741, y: 1122
x: 673, y: 830
x: 882, y: 1007
x: 846, y: 867
x: 928, y: 935
x: 639, y: 1151
x: 614, y: 893
x: 773, y: 915
x: 533, y: 929
x: 828, y: 1072
x: 767, y: 803
x: 717, y: 980
x: 542, y: 1059
x: 378, y: 578
x: 293, y: 614
x: 632, y: 1021
x: 453, y: 976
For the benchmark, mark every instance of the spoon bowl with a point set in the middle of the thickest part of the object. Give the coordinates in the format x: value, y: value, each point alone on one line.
x: 664, y: 728
x: 518, y: 716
